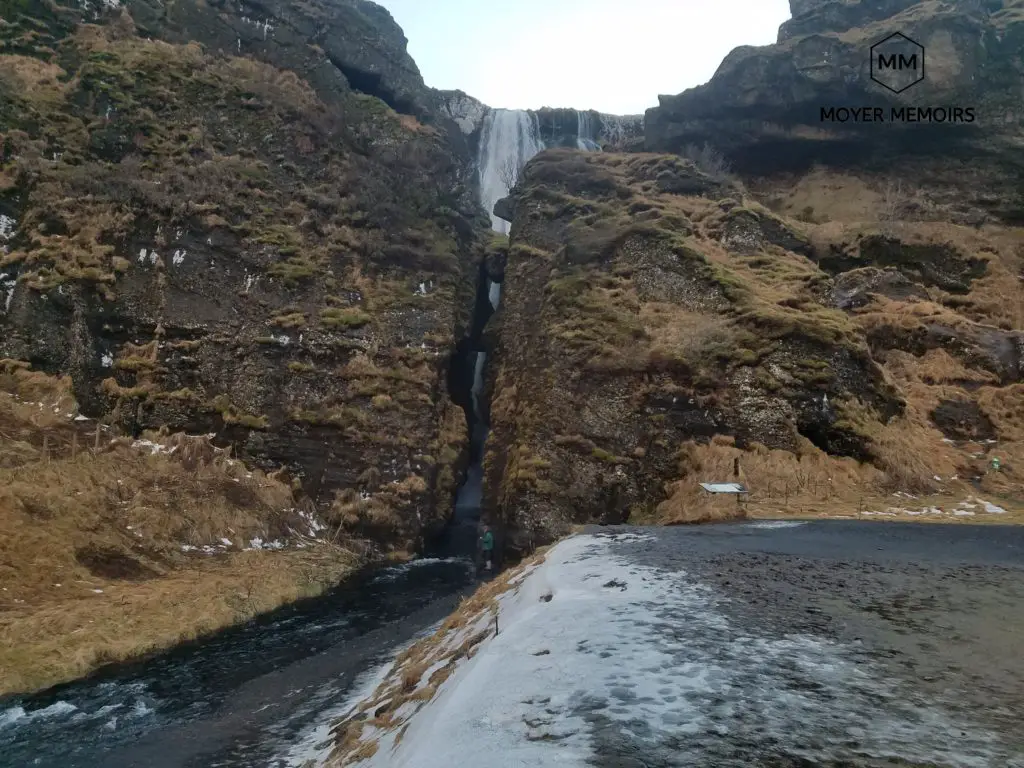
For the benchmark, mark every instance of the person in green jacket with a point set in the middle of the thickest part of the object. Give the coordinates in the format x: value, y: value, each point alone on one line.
x: 487, y: 547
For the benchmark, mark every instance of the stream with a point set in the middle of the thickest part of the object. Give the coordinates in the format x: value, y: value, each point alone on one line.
x: 263, y: 693
x: 251, y: 695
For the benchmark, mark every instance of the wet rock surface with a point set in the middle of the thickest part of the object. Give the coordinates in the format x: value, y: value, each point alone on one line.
x: 251, y: 220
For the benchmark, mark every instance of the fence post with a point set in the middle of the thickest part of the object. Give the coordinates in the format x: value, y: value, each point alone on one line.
x: 96, y: 447
x: 74, y: 445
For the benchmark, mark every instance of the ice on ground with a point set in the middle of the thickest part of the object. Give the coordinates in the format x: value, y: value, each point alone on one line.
x: 597, y: 656
x: 314, y: 746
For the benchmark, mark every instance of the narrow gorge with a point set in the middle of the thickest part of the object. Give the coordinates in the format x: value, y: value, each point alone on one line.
x: 506, y: 141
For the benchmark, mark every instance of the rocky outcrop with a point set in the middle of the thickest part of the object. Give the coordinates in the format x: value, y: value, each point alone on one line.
x: 636, y: 319
x: 772, y: 109
x: 250, y: 219
x: 586, y: 129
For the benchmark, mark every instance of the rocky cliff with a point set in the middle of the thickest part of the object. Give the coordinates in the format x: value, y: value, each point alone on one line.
x: 586, y: 129
x: 250, y: 219
x: 764, y: 106
x: 830, y: 313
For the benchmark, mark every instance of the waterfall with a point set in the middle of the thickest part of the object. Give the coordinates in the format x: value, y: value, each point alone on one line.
x: 586, y: 137
x: 509, y: 138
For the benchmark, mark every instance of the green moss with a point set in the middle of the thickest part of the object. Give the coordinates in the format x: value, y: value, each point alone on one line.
x: 293, y: 270
x: 609, y: 458
x: 184, y: 395
x: 524, y: 251
x: 297, y: 367
x: 349, y: 317
x: 290, y: 320
x: 135, y: 363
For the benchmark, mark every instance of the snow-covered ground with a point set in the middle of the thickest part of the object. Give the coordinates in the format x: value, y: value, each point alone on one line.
x: 598, y: 659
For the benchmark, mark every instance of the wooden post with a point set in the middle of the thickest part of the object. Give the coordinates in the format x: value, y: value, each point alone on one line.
x: 74, y: 445
x: 495, y: 624
x: 736, y: 467
x: 96, y: 447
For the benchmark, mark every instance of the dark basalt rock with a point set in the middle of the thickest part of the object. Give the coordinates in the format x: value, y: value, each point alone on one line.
x: 855, y: 288
x: 763, y: 107
x: 962, y: 420
x: 228, y: 203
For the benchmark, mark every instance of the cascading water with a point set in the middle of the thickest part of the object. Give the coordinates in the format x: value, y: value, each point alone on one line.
x: 586, y: 137
x: 508, y: 139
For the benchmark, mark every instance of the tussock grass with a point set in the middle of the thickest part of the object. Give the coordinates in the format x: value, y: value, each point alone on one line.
x: 94, y: 544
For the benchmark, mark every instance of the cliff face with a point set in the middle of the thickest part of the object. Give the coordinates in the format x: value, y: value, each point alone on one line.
x: 249, y: 219
x: 587, y: 129
x: 763, y: 108
x: 830, y: 313
x: 660, y: 327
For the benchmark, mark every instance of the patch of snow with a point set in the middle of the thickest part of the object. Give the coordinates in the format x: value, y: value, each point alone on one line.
x: 226, y: 542
x: 963, y: 513
x: 466, y: 111
x: 178, y: 258
x: 154, y: 448
x: 313, y: 747
x: 937, y: 479
x: 593, y: 649
x: 991, y: 508
x: 7, y: 283
x: 98, y: 591
x: 775, y: 524
x: 7, y: 227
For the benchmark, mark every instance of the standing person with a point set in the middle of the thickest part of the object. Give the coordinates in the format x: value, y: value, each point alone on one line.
x: 487, y: 547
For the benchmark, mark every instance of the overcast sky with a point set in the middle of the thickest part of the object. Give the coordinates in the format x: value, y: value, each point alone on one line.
x: 610, y: 55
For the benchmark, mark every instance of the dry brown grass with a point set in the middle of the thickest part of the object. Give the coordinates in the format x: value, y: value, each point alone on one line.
x: 91, y: 542
x: 811, y: 484
x: 70, y: 629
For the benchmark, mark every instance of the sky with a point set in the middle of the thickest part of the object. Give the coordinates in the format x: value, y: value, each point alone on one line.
x: 610, y: 55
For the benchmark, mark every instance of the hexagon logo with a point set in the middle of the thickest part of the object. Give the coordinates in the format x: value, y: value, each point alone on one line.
x: 897, y: 62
